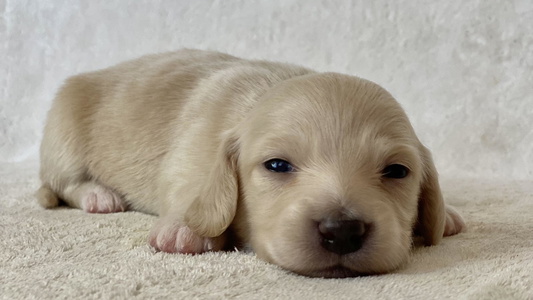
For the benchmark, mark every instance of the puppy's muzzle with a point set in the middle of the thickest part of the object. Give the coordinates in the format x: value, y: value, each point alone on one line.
x: 342, y: 236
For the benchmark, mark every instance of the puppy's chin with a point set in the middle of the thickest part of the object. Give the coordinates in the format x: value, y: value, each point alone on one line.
x: 337, y: 271
x: 341, y: 268
x: 334, y: 266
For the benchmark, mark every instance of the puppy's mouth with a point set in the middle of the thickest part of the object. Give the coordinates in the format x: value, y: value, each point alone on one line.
x: 337, y: 271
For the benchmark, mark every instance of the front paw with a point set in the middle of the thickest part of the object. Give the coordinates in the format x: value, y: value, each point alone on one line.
x: 454, y: 222
x: 174, y: 237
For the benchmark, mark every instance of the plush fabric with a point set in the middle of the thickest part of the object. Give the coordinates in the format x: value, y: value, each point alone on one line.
x: 66, y: 253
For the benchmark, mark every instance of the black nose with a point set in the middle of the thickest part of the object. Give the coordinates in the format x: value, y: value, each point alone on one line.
x: 342, y: 236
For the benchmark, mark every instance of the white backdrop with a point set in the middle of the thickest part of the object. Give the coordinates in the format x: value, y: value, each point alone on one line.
x: 463, y: 70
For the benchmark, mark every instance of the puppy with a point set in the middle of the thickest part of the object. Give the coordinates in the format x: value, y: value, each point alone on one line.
x: 319, y: 173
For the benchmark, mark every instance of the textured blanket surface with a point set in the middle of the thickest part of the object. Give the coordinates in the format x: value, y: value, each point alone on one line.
x: 66, y: 253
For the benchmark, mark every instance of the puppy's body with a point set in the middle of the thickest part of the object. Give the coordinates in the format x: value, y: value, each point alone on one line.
x: 118, y: 126
x: 186, y: 135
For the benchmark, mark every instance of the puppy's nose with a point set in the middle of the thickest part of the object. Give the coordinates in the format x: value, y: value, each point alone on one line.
x: 342, y: 236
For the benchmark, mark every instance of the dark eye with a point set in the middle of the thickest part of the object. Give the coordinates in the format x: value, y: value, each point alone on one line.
x: 279, y: 166
x: 395, y: 171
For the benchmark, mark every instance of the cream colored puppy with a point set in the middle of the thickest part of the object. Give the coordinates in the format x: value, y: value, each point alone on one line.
x: 320, y: 173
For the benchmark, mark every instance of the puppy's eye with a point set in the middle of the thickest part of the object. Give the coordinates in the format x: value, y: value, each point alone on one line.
x: 395, y: 171
x: 279, y: 166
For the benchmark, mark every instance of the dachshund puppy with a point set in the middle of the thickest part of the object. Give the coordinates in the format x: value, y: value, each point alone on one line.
x: 319, y: 173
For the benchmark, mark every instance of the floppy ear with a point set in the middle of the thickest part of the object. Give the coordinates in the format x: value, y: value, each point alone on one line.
x: 431, y: 209
x: 214, y: 209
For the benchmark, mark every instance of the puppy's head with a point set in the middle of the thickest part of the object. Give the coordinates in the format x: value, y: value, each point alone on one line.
x: 326, y: 177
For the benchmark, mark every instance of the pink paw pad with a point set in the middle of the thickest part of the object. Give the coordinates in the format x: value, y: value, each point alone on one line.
x: 181, y: 239
x: 101, y: 200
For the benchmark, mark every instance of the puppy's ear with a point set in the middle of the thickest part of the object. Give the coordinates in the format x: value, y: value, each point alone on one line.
x: 431, y: 209
x: 214, y: 209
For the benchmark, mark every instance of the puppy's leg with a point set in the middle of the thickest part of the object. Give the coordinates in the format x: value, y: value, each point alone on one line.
x: 67, y: 179
x: 172, y: 236
x: 454, y: 222
x: 89, y: 196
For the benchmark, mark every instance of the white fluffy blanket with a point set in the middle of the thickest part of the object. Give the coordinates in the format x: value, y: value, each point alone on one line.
x: 65, y: 253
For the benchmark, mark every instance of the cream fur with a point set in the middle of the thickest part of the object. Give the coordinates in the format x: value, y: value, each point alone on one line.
x: 184, y: 135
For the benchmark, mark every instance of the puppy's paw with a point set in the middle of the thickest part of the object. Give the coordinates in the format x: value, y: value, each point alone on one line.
x: 102, y: 200
x: 454, y: 222
x: 173, y: 237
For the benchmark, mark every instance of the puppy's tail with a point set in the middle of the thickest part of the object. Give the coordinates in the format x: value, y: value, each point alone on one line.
x: 46, y: 197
